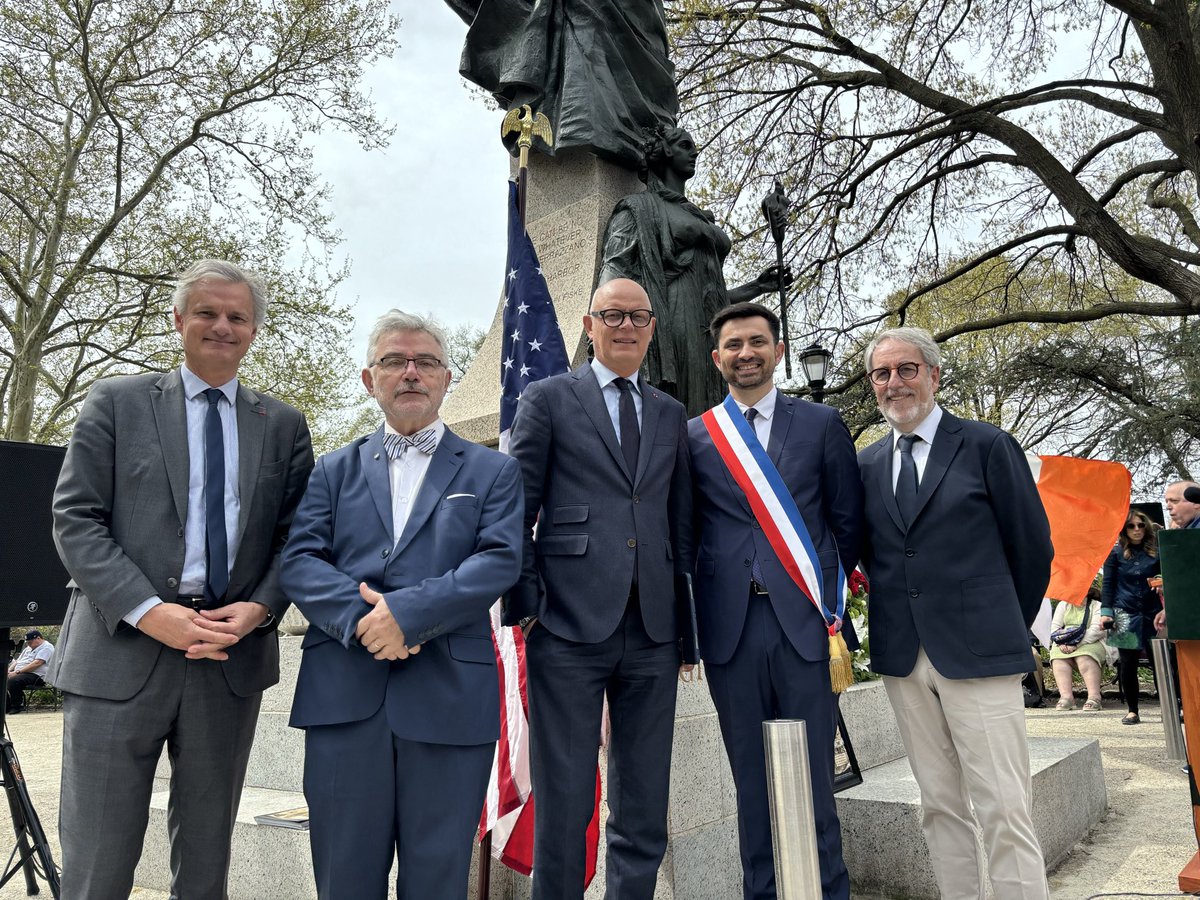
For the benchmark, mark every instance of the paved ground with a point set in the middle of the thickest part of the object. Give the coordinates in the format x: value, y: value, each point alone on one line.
x: 1137, y: 850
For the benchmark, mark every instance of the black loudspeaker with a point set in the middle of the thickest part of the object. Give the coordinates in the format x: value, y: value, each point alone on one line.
x: 33, y: 582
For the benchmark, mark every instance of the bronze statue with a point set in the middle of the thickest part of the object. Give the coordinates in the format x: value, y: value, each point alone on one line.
x: 676, y: 251
x: 597, y: 68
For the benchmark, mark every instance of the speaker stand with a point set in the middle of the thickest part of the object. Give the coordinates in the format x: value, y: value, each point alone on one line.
x: 32, y: 852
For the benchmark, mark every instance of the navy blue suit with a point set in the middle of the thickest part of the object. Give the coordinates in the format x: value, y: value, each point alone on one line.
x: 600, y: 579
x: 965, y: 580
x: 398, y: 753
x: 768, y: 657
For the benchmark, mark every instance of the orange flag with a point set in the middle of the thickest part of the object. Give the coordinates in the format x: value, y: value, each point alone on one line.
x: 1087, y: 501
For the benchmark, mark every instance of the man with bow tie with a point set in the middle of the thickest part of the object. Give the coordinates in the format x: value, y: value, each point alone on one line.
x: 403, y: 541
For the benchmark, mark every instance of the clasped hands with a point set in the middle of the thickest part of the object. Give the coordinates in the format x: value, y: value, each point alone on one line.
x: 204, y: 633
x: 378, y: 631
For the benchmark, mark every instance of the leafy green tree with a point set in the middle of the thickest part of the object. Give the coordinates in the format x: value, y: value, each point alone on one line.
x: 137, y: 137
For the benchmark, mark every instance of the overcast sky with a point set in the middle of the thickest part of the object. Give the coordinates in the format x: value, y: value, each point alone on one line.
x: 423, y: 222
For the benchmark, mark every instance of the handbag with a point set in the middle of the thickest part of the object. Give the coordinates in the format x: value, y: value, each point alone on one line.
x: 1072, y: 635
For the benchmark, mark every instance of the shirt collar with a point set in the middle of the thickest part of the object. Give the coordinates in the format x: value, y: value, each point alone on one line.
x: 194, y: 385
x: 927, y: 430
x: 765, y: 405
x: 606, y: 376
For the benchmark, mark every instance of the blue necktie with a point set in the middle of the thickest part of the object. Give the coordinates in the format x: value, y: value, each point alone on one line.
x: 906, y: 484
x: 216, y: 543
x: 755, y: 568
x: 627, y: 416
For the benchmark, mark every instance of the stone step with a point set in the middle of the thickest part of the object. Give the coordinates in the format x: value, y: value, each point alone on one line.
x: 882, y: 841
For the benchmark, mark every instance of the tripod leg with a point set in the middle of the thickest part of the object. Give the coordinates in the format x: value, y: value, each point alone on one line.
x: 26, y: 823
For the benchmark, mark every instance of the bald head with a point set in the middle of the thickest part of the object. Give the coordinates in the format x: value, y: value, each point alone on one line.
x: 1180, y: 510
x: 620, y: 325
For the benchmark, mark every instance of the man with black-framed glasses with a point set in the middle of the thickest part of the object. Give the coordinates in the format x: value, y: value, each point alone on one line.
x: 604, y: 459
x: 958, y: 554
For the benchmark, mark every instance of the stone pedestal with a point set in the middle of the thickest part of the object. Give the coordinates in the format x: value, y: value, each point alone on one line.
x: 570, y: 199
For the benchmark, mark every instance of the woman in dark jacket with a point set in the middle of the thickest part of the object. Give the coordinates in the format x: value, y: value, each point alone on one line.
x: 1130, y: 603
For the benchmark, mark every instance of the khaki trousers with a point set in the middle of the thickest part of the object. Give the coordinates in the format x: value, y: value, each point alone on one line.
x: 966, y: 743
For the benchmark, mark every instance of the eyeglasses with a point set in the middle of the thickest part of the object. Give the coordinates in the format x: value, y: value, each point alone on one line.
x: 906, y: 371
x: 426, y: 365
x: 1137, y: 525
x: 614, y: 318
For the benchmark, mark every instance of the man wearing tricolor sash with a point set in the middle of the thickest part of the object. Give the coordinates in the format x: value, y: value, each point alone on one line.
x: 958, y: 552
x: 778, y: 507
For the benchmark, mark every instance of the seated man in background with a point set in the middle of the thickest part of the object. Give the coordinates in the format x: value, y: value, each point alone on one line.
x: 28, y: 670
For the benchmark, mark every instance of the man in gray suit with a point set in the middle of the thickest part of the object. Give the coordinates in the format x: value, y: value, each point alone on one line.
x: 174, y: 501
x: 605, y: 465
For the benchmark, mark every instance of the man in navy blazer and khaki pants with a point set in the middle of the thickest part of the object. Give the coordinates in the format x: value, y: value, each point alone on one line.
x: 958, y: 555
x: 403, y: 541
x: 170, y: 635
x: 604, y: 457
x: 764, y: 644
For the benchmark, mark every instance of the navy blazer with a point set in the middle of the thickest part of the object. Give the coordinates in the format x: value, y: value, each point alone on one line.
x: 967, y: 577
x: 595, y: 519
x: 459, y: 552
x: 814, y: 454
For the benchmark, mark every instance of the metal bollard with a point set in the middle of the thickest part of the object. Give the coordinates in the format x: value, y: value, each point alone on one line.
x: 793, y: 827
x: 1168, y: 700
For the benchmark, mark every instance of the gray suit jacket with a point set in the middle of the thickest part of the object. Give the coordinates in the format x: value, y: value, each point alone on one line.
x: 595, y: 519
x: 119, y: 512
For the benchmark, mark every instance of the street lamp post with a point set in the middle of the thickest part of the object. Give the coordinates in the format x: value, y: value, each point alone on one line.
x: 815, y: 360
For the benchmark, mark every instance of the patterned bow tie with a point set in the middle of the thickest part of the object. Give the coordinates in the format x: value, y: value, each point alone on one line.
x: 424, y: 441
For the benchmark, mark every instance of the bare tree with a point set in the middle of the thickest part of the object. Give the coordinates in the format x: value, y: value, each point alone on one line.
x: 922, y: 141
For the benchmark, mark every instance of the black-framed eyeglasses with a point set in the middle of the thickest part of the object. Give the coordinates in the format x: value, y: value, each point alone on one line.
x: 614, y: 318
x: 907, y: 372
x: 426, y: 365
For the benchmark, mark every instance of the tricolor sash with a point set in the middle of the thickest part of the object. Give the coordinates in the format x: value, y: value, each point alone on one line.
x: 773, y: 506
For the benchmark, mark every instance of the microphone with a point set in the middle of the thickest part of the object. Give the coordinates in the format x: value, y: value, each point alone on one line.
x: 1192, y: 494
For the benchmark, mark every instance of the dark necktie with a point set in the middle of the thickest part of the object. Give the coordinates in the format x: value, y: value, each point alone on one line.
x: 755, y: 567
x: 627, y: 416
x: 216, y: 543
x: 906, y: 484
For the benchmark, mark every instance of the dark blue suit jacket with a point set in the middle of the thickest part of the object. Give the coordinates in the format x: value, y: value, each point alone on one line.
x: 459, y: 552
x: 967, y: 577
x: 594, y: 518
x: 814, y: 454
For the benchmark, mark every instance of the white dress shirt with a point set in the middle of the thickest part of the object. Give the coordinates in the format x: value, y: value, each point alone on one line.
x: 766, y: 413
x: 406, y: 474
x: 927, y: 430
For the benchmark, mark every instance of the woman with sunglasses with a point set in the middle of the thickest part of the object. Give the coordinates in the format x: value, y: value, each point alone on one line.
x: 1129, y: 603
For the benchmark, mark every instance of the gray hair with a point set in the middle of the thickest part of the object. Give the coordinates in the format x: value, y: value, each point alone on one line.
x: 397, y: 320
x: 917, y: 337
x: 220, y: 270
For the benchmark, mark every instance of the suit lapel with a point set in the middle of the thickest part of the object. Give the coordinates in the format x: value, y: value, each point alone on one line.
x: 945, y: 445
x: 446, y: 461
x: 374, y: 461
x: 170, y: 419
x: 251, y: 431
x: 587, y: 390
x: 652, y: 404
x: 780, y: 424
x: 882, y: 462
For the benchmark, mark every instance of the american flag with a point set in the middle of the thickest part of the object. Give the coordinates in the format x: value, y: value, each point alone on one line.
x: 533, y: 349
x: 533, y: 344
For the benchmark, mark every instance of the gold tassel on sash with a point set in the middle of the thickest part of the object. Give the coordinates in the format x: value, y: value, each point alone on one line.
x: 841, y: 670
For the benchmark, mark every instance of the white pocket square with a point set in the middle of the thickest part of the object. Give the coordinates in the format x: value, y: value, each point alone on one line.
x: 452, y: 496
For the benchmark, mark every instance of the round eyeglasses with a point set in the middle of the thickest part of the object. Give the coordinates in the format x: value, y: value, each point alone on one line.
x: 614, y: 318
x: 907, y: 372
